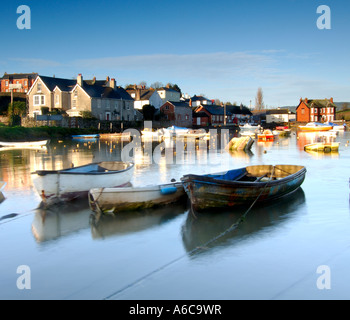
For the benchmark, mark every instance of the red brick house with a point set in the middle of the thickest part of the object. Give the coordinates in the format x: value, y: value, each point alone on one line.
x: 178, y: 113
x: 316, y: 110
x: 216, y: 114
x: 24, y: 79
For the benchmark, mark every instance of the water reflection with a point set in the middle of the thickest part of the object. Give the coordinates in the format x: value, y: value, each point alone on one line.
x: 60, y: 220
x: 104, y: 226
x: 200, y: 229
x: 304, y: 138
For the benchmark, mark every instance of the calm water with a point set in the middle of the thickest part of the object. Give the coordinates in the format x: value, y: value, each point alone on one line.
x: 167, y: 253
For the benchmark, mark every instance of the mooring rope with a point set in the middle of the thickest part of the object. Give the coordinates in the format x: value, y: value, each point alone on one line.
x: 195, y: 250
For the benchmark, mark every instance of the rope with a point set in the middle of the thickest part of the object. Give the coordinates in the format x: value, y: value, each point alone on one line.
x: 195, y: 250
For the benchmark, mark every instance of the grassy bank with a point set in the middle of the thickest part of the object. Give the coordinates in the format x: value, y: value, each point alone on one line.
x: 39, y: 133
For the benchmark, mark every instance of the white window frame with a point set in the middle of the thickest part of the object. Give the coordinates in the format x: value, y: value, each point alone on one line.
x: 41, y: 99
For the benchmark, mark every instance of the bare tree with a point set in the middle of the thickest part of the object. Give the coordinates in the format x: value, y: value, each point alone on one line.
x: 157, y: 85
x: 259, y: 100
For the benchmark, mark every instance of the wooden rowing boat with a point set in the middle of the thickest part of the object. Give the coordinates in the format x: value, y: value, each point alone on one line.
x: 24, y: 144
x: 2, y: 187
x: 67, y: 184
x: 132, y: 198
x: 322, y: 147
x: 243, y: 186
x: 240, y: 144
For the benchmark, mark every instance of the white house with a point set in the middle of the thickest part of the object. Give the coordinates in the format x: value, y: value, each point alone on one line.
x: 162, y: 95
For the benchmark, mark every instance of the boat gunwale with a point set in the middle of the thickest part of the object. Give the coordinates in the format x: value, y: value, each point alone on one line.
x: 192, y: 178
x: 70, y: 172
x: 177, y: 185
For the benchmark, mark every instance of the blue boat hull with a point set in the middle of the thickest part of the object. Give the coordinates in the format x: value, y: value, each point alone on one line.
x: 243, y: 187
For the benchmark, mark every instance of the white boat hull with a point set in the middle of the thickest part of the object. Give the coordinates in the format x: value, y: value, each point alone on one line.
x: 132, y: 198
x: 66, y: 185
x: 28, y: 144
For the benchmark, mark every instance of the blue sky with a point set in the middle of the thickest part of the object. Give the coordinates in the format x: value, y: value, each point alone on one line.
x: 224, y: 49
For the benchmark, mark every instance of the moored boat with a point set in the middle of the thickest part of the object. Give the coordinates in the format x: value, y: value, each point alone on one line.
x: 2, y: 187
x: 85, y: 136
x: 266, y: 135
x: 315, y: 126
x: 24, y: 144
x: 132, y: 198
x: 244, y: 186
x: 240, y: 144
x: 323, y: 147
x: 68, y: 184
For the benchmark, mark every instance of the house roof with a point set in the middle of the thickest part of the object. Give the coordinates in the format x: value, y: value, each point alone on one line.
x: 199, y: 98
x: 99, y: 91
x: 200, y: 114
x: 238, y: 109
x: 180, y: 104
x: 62, y: 84
x: 216, y: 110
x: 19, y: 75
x: 318, y: 103
x: 95, y: 89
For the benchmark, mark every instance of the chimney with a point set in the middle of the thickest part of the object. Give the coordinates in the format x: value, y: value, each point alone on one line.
x: 138, y: 94
x: 107, y: 81
x: 80, y: 80
x: 113, y: 84
x: 331, y: 100
x: 306, y: 101
x: 190, y: 104
x: 301, y: 99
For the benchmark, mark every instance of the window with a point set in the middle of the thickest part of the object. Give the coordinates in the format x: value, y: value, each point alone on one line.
x: 99, y: 103
x: 214, y: 118
x: 74, y: 105
x: 39, y: 87
x: 75, y: 93
x: 6, y: 83
x: 39, y: 100
x: 25, y: 82
x: 302, y: 111
x: 57, y: 99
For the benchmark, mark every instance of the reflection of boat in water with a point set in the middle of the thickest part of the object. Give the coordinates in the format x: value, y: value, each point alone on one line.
x: 133, y: 221
x: 60, y: 220
x: 208, y: 230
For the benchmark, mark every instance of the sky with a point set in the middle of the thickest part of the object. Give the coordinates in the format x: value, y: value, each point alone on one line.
x: 225, y: 50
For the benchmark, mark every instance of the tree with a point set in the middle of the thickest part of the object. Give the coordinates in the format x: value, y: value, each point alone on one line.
x: 259, y: 100
x: 16, y: 110
x: 148, y: 112
x: 157, y: 85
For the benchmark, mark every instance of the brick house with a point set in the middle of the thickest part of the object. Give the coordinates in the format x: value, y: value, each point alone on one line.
x: 215, y: 114
x: 316, y: 110
x: 178, y: 113
x: 26, y: 80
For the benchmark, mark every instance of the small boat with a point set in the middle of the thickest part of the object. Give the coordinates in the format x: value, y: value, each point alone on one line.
x: 85, y: 136
x: 337, y: 127
x: 68, y: 184
x: 322, y: 147
x: 240, y: 144
x: 175, y: 131
x: 244, y: 186
x: 132, y: 198
x: 2, y: 187
x: 266, y: 135
x: 24, y: 144
x: 315, y: 126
